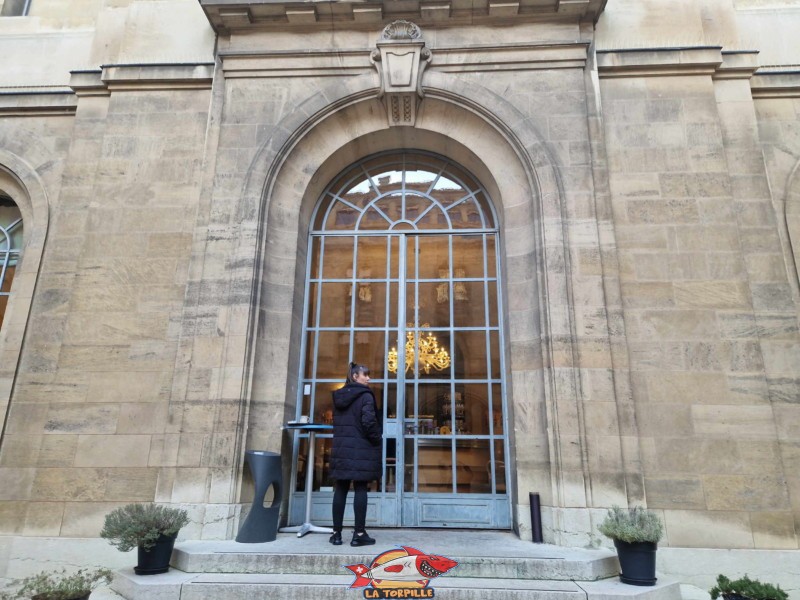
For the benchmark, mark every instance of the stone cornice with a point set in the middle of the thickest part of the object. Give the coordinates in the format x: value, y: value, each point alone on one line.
x: 320, y: 63
x: 37, y: 101
x: 110, y: 78
x: 227, y: 16
x: 158, y: 76
x: 776, y: 82
x: 737, y: 64
x: 655, y: 62
x: 88, y: 83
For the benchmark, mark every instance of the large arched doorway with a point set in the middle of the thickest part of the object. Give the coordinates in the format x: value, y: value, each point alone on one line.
x: 403, y: 276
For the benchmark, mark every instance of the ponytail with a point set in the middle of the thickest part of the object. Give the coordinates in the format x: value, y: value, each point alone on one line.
x: 354, y: 369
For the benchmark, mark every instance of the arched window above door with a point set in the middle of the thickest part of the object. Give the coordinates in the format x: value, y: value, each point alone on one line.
x: 10, y: 248
x: 404, y: 191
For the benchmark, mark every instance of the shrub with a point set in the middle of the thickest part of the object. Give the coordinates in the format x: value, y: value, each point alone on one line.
x: 633, y: 525
x: 59, y: 585
x: 136, y: 525
x: 747, y: 588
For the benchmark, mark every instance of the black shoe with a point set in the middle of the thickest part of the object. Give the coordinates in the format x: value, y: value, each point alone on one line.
x: 362, y: 539
x: 336, y: 538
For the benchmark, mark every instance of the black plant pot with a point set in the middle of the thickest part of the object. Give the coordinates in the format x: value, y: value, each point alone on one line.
x: 637, y: 561
x: 156, y: 560
x: 735, y: 596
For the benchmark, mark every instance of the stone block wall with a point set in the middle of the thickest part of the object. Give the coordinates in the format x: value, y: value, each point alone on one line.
x: 90, y: 424
x: 709, y: 315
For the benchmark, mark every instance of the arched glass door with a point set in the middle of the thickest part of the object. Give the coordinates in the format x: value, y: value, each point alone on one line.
x: 403, y: 277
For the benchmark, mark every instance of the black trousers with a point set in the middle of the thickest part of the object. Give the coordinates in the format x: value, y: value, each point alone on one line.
x: 359, y: 503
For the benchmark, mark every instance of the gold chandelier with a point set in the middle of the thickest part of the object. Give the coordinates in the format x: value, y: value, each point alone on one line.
x: 431, y: 356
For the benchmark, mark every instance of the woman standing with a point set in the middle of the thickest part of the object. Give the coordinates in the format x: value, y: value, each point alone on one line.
x: 356, y: 453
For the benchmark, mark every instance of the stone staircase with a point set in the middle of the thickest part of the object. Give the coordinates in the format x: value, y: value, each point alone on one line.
x: 492, y: 564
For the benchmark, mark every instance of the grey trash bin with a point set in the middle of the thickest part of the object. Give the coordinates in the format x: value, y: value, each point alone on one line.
x: 261, y: 524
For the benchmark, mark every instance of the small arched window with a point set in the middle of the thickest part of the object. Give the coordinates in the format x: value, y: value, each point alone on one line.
x: 10, y: 248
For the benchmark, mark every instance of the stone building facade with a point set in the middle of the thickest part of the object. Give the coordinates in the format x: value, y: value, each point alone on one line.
x: 635, y: 164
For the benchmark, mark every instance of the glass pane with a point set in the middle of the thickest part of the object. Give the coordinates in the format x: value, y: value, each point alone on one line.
x: 447, y: 406
x: 411, y: 252
x: 494, y: 348
x: 338, y: 257
x: 373, y: 220
x: 370, y: 350
x: 466, y: 215
x: 333, y: 354
x: 393, y: 299
x: 372, y: 257
x: 497, y: 409
x: 388, y: 180
x: 468, y: 307
x: 434, y: 256
x: 410, y: 424
x: 6, y: 288
x: 394, y: 257
x: 392, y: 206
x: 434, y: 406
x: 418, y: 179
x: 358, y: 192
x: 323, y: 402
x: 370, y: 304
x: 492, y: 290
x: 5, y: 285
x: 309, y: 355
x: 16, y: 236
x: 408, y: 484
x: 433, y: 304
x: 394, y: 360
x: 468, y: 253
x: 447, y: 191
x: 435, y: 469
x: 470, y: 355
x: 433, y: 219
x: 305, y: 408
x: 415, y: 206
x: 10, y: 215
x: 491, y: 259
x: 322, y: 467
x: 391, y: 401
x: 499, y: 468
x: 473, y: 467
x: 3, y: 305
x: 429, y: 353
x: 311, y: 317
x: 472, y: 409
x: 341, y: 217
x: 411, y: 304
x: 316, y: 244
x: 390, y: 478
x: 336, y: 300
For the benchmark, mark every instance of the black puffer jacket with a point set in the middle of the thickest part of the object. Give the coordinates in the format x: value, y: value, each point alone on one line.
x: 357, y: 434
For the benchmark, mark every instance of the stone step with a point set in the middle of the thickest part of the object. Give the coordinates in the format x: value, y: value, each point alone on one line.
x: 177, y: 585
x: 493, y: 554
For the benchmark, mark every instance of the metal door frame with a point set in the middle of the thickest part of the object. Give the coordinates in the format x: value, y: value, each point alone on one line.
x: 401, y: 508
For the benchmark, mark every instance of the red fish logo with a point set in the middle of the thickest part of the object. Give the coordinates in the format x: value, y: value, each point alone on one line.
x: 405, y: 568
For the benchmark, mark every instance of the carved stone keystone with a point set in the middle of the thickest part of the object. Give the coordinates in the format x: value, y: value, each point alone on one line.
x: 401, y: 58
